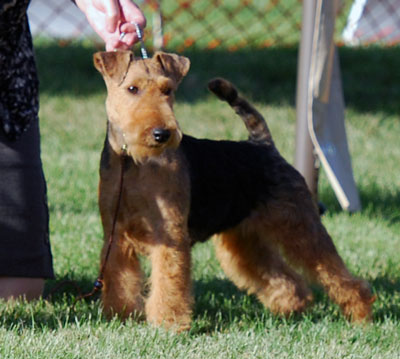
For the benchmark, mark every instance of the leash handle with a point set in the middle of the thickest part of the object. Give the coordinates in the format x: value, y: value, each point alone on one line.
x: 139, y: 34
x: 140, y: 37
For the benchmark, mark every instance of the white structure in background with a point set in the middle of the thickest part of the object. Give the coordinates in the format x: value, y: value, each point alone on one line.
x: 373, y: 21
x: 320, y: 132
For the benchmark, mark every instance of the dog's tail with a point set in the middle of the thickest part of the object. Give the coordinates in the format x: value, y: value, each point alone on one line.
x: 254, y: 121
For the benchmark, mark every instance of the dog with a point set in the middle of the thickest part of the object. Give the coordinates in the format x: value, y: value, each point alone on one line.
x: 178, y: 190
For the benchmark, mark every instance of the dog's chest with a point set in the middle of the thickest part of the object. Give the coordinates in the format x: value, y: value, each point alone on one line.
x: 154, y: 200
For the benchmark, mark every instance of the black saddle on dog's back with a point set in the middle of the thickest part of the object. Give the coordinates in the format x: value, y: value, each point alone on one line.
x: 228, y: 180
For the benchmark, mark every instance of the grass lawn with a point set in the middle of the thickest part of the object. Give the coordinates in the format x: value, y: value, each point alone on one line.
x: 227, y: 323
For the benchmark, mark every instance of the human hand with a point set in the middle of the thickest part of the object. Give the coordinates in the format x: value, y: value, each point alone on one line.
x: 109, y: 18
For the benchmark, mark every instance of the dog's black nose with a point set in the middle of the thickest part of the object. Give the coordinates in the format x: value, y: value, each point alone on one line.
x: 161, y: 135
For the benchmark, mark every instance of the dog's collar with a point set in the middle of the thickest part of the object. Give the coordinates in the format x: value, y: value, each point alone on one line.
x: 124, y: 146
x: 118, y: 137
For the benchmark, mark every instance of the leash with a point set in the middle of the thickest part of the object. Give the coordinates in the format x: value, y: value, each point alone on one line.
x: 139, y: 34
x: 99, y: 282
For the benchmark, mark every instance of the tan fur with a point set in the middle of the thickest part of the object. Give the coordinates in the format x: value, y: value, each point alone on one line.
x: 260, y: 254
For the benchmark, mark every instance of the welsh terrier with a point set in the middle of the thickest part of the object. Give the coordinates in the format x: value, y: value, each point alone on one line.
x: 179, y: 190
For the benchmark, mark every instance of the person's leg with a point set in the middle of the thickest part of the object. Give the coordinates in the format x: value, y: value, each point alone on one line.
x: 25, y: 257
x: 19, y: 287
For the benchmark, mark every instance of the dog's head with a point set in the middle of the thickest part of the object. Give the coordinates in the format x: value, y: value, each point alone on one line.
x: 140, y: 97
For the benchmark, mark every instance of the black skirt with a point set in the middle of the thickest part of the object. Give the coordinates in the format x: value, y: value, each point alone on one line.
x: 24, y: 233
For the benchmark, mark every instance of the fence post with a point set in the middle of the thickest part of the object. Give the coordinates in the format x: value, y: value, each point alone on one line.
x: 158, y: 40
x: 305, y: 159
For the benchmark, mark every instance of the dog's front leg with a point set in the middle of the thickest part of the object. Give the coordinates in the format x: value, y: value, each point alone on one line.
x: 123, y: 279
x: 170, y: 300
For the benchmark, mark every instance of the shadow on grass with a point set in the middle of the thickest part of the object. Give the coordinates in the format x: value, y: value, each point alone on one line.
x: 376, y: 203
x: 371, y: 76
x: 219, y: 306
x: 58, y: 310
x: 380, y: 203
x: 386, y: 307
x: 74, y: 287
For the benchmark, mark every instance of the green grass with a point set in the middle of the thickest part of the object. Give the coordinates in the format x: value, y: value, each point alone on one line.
x: 227, y: 323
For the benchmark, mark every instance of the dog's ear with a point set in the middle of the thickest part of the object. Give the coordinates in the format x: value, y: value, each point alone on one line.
x: 113, y: 64
x: 173, y: 65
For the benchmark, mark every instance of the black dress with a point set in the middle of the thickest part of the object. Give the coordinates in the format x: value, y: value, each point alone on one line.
x: 24, y: 237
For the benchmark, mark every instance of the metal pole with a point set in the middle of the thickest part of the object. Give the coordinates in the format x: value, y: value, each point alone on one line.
x: 158, y: 39
x: 305, y: 160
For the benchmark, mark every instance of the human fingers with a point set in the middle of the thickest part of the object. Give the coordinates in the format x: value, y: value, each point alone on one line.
x: 128, y: 38
x: 119, y: 43
x: 125, y: 35
x: 129, y: 29
x: 111, y: 10
x: 131, y: 12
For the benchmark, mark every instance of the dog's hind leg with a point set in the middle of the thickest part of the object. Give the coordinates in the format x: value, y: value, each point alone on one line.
x: 255, y: 266
x: 317, y: 255
x: 305, y: 242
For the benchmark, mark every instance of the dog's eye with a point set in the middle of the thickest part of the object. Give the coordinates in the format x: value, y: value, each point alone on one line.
x: 133, y: 90
x: 167, y: 91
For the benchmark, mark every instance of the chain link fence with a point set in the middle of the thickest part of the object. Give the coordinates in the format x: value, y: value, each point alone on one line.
x: 233, y: 24
x: 373, y: 21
